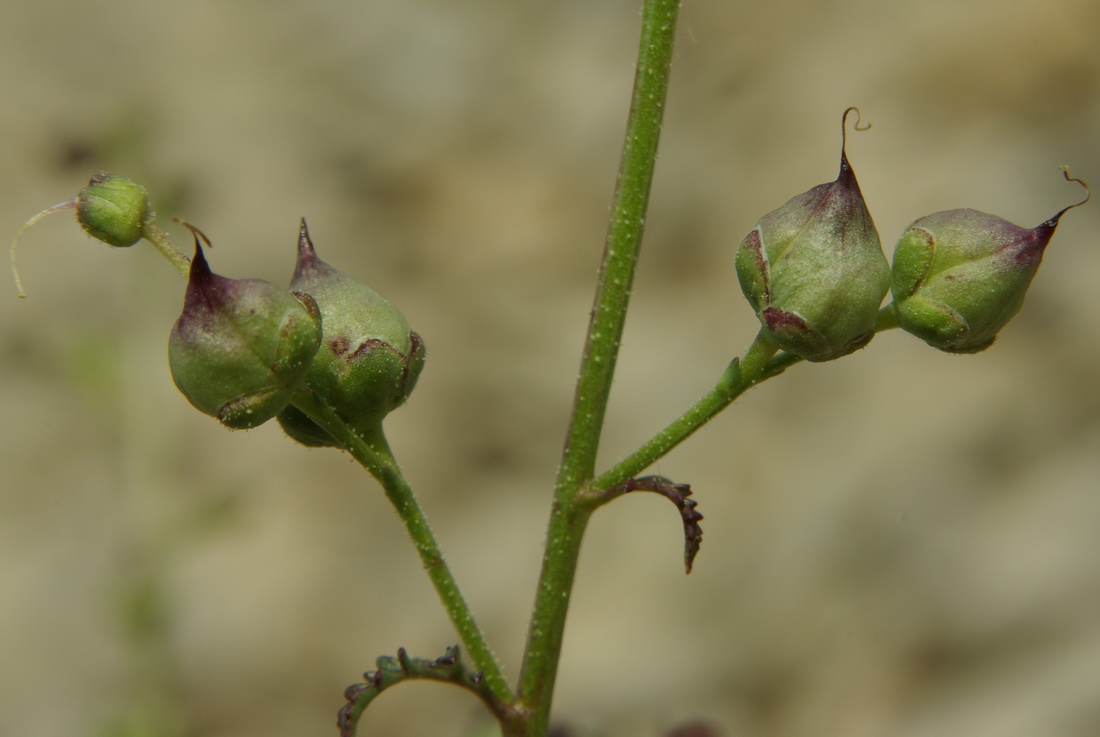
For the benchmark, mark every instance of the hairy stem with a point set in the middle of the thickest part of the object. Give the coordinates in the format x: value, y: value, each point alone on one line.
x: 758, y: 363
x: 616, y: 277
x: 160, y: 241
x: 623, y: 242
x: 374, y: 454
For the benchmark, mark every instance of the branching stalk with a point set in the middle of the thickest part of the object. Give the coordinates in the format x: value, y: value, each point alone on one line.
x: 758, y: 363
x: 373, y: 453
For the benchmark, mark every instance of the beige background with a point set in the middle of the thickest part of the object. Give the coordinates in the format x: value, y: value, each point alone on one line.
x: 902, y: 543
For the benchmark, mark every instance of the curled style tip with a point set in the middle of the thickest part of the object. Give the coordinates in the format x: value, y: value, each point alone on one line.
x: 1051, y: 223
x: 195, y: 232
x: 858, y: 125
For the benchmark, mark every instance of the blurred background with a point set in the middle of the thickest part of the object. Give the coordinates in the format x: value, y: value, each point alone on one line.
x: 901, y: 543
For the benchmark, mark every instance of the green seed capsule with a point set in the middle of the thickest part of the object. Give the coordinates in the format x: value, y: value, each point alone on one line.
x: 113, y: 209
x: 369, y: 359
x: 814, y: 270
x: 959, y: 276
x: 241, y: 347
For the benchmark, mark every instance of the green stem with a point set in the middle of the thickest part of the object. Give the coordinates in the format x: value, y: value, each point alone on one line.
x: 625, y: 228
x: 623, y: 242
x: 758, y: 364
x: 887, y: 318
x: 163, y: 244
x: 372, y: 452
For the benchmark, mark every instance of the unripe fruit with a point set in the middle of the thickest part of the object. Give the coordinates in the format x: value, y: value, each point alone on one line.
x: 113, y: 209
x: 959, y: 276
x: 814, y: 270
x: 369, y: 359
x: 241, y: 347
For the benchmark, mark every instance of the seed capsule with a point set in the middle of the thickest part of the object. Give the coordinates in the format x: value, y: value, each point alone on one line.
x: 814, y: 270
x: 113, y: 209
x: 241, y: 347
x: 959, y: 276
x: 369, y: 359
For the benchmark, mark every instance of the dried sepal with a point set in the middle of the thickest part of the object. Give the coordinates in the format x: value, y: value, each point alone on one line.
x: 389, y: 671
x: 679, y: 495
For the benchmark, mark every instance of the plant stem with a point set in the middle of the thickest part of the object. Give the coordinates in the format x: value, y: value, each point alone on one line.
x: 624, y: 235
x: 159, y: 240
x: 372, y: 451
x: 623, y: 241
x: 887, y: 318
x: 758, y: 364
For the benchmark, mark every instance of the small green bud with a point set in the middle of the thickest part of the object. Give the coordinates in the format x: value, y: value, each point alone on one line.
x: 369, y: 359
x: 814, y: 270
x: 113, y: 209
x: 241, y: 347
x: 959, y: 276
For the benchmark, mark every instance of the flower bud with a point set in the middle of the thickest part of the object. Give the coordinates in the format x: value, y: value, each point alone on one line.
x: 959, y: 276
x: 241, y: 347
x: 113, y: 209
x: 814, y: 269
x: 369, y: 359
